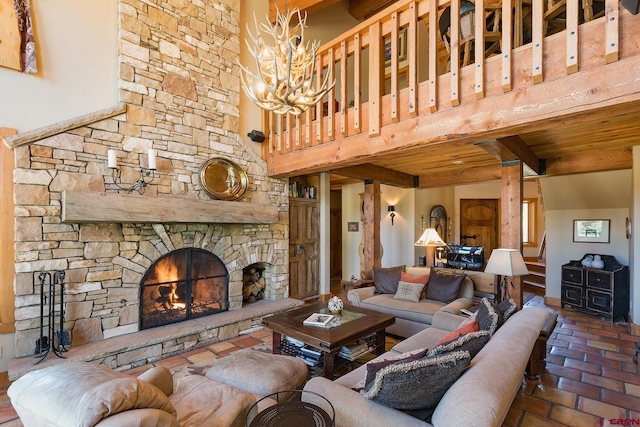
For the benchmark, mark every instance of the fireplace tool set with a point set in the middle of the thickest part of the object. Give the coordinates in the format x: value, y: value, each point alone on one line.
x: 56, y: 340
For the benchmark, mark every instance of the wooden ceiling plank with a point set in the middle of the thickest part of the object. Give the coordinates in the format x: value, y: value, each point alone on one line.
x: 598, y: 161
x: 461, y: 176
x: 384, y: 175
x: 308, y: 6
x: 363, y: 9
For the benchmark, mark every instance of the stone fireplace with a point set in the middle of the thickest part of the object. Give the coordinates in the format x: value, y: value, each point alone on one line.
x: 179, y: 93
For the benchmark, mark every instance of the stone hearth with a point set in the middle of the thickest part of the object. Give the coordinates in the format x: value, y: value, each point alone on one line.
x: 147, y: 346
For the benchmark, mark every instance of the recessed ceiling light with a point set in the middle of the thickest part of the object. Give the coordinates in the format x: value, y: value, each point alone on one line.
x: 458, y: 162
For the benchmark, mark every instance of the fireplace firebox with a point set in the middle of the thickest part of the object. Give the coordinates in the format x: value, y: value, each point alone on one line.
x: 183, y: 284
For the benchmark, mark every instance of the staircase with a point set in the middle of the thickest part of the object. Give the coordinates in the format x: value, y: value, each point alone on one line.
x: 535, y: 281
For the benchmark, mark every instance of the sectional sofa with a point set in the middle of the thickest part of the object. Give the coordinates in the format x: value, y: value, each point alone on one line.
x: 482, y: 396
x: 411, y: 316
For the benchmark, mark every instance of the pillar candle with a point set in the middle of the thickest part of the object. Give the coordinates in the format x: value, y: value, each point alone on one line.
x: 112, y: 160
x: 152, y: 159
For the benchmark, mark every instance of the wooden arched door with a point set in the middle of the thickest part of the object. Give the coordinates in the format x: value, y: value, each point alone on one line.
x: 479, y: 219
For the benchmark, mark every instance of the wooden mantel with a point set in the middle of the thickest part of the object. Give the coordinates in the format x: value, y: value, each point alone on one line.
x: 82, y: 207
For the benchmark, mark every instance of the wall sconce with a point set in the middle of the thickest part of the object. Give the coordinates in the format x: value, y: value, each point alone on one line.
x: 392, y: 209
x: 256, y: 136
x: 147, y: 175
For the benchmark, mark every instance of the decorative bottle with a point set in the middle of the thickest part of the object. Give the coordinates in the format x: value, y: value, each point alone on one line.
x: 587, y: 261
x: 597, y: 262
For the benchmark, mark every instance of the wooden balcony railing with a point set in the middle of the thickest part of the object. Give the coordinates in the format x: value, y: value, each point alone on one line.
x: 397, y: 66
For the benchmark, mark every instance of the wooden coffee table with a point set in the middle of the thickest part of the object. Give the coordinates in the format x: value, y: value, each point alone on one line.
x: 358, y: 323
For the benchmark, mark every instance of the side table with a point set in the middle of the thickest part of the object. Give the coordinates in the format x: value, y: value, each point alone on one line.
x: 536, y: 361
x: 347, y: 285
x: 294, y: 412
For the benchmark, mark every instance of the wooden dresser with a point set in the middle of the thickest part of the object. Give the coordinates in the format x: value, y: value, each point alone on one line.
x: 601, y: 292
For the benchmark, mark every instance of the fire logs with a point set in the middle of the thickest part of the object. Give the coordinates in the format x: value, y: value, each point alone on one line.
x: 253, y: 285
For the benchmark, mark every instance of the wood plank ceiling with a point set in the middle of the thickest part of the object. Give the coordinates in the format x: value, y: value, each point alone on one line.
x: 581, y: 143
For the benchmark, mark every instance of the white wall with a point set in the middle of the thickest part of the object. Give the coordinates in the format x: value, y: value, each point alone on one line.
x: 250, y: 113
x: 561, y: 248
x: 599, y: 195
x: 397, y: 240
x: 76, y: 52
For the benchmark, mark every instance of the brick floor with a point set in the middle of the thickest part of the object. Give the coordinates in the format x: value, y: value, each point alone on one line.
x: 590, y: 376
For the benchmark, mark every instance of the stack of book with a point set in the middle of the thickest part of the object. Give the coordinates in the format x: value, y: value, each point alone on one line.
x: 309, y: 355
x: 355, y: 350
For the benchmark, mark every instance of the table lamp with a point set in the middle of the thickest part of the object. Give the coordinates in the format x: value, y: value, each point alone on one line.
x: 506, y: 263
x: 430, y: 239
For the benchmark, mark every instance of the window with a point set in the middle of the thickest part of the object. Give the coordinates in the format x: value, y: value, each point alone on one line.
x: 529, y: 208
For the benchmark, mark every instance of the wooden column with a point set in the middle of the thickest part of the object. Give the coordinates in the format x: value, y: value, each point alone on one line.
x: 7, y: 236
x: 371, y: 228
x: 511, y: 216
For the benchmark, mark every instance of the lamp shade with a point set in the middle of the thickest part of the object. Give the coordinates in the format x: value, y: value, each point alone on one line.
x: 506, y: 262
x: 430, y: 237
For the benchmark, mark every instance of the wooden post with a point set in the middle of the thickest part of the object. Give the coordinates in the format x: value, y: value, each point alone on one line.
x: 511, y: 214
x: 371, y: 228
x: 7, y: 236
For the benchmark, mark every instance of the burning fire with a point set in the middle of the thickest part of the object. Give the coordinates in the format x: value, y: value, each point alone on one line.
x: 167, y: 271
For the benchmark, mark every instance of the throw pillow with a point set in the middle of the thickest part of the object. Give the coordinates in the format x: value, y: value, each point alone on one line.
x: 374, y: 366
x: 462, y: 330
x: 444, y: 286
x: 416, y: 384
x: 507, y: 308
x: 471, y: 342
x: 424, y: 279
x: 408, y: 291
x: 489, y: 318
x: 386, y: 280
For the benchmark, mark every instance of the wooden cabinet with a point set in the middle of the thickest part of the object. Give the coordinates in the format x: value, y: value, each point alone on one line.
x: 304, y: 240
x: 602, y: 292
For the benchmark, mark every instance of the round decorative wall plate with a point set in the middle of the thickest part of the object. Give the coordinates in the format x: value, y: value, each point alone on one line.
x: 222, y: 179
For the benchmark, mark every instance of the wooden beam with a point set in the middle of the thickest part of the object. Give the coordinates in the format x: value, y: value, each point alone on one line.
x: 7, y: 235
x: 460, y: 177
x: 79, y: 207
x: 511, y: 148
x: 55, y: 129
x: 384, y: 175
x: 511, y: 218
x: 371, y: 227
x: 603, y: 160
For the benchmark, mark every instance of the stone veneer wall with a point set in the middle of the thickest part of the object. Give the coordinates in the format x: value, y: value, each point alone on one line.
x: 179, y: 78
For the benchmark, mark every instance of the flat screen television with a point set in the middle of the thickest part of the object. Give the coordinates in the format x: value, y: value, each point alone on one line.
x: 465, y: 257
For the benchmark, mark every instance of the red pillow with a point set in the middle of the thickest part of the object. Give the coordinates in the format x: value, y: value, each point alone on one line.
x: 405, y: 277
x: 462, y: 330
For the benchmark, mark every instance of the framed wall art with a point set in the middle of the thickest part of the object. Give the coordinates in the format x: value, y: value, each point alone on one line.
x: 591, y: 230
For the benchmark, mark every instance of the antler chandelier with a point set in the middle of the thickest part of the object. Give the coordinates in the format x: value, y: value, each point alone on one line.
x: 283, y: 82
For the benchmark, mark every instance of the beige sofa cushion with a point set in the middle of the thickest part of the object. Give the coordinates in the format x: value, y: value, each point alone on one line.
x: 202, y: 402
x: 82, y: 394
x: 246, y: 370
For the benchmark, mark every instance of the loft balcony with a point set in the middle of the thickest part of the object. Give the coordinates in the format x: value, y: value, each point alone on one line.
x: 422, y: 102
